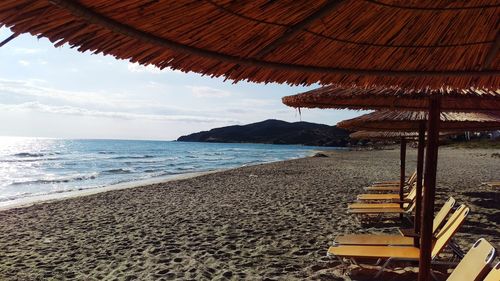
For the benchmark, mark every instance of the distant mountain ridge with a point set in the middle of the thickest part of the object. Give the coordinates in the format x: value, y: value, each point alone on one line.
x: 274, y: 132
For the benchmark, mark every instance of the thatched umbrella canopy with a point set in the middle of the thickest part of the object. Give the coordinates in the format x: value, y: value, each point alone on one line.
x: 409, y: 121
x: 413, y: 44
x: 337, y: 97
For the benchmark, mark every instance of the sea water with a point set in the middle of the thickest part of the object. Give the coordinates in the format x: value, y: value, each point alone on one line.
x: 36, y: 166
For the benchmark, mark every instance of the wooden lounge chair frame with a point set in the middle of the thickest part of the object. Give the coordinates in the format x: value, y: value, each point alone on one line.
x: 400, y: 253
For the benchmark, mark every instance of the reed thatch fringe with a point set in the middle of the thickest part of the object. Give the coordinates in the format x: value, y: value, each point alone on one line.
x: 412, y: 44
x: 384, y: 120
x: 395, y: 98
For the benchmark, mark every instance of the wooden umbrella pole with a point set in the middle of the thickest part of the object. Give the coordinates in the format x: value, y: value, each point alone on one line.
x: 431, y: 157
x: 420, y: 169
x: 402, y: 178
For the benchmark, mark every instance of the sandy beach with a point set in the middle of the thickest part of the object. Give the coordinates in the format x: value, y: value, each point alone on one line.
x: 265, y: 222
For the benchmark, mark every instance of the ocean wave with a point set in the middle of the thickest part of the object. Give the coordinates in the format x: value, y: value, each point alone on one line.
x: 151, y: 170
x: 118, y: 171
x: 106, y: 152
x: 216, y: 159
x: 133, y: 157
x: 66, y: 179
x: 185, y: 168
x: 35, y: 154
x: 30, y: 160
x: 28, y: 154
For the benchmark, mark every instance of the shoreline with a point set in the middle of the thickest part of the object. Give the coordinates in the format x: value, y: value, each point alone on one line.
x: 59, y: 196
x: 63, y: 195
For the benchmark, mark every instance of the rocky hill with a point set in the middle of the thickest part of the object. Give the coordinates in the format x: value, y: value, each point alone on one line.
x: 274, y: 132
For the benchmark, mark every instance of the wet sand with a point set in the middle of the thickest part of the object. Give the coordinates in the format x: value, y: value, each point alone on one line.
x: 264, y: 222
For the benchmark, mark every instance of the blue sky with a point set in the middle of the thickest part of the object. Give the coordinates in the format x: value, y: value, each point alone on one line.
x: 59, y: 92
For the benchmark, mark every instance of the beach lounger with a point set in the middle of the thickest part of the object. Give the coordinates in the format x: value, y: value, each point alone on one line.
x: 492, y: 184
x: 367, y: 197
x: 386, y: 208
x: 377, y: 214
x: 394, y: 188
x: 391, y: 196
x: 401, y: 239
x: 386, y: 184
x: 396, y: 202
x: 398, y: 253
x: 476, y: 263
x: 494, y: 274
x: 382, y: 211
x: 409, y: 181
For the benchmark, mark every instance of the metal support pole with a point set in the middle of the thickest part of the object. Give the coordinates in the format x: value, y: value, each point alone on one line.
x: 431, y: 157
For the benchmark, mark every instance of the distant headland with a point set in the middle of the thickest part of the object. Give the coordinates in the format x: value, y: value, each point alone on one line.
x: 274, y: 132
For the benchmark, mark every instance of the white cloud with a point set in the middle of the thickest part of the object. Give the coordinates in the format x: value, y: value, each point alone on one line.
x: 24, y: 62
x: 27, y: 51
x: 138, y: 68
x: 135, y: 67
x: 70, y: 110
x: 207, y: 92
x: 36, y: 89
x: 33, y: 88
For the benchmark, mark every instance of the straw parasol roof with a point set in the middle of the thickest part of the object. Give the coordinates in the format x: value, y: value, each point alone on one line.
x: 337, y: 97
x: 384, y: 135
x: 386, y: 120
x: 413, y: 44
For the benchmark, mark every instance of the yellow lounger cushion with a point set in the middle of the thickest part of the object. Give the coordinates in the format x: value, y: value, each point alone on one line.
x: 390, y: 182
x: 370, y: 239
x: 374, y: 205
x: 375, y: 252
x: 376, y: 211
x: 378, y: 197
x: 381, y: 188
